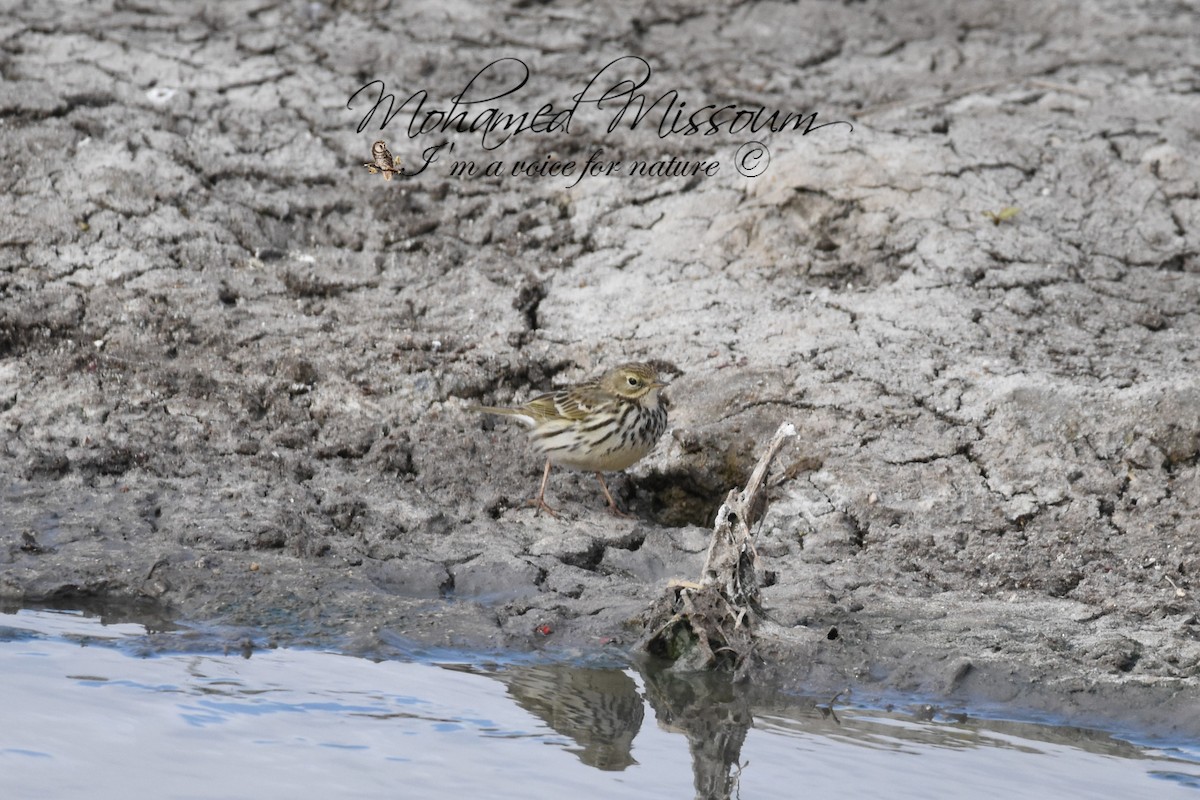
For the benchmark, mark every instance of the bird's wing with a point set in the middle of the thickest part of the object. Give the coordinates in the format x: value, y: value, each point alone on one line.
x: 567, y: 405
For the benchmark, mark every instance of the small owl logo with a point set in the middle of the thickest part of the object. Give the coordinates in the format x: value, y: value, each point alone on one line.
x: 383, y: 161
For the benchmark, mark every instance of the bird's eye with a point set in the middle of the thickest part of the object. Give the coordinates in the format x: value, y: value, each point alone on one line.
x: 633, y: 381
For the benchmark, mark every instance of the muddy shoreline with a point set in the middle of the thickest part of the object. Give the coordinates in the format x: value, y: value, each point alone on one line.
x: 235, y: 367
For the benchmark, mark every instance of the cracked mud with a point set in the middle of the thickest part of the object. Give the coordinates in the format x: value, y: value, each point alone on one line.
x: 234, y: 366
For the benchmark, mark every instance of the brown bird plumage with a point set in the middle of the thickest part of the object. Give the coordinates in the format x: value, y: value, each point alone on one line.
x: 603, y: 425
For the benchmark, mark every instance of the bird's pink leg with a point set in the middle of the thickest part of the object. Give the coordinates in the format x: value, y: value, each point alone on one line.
x: 540, y: 500
x: 612, y: 504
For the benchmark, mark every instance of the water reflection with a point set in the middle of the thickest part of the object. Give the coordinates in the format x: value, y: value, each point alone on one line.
x: 713, y: 715
x: 151, y: 616
x: 600, y: 710
x: 315, y: 724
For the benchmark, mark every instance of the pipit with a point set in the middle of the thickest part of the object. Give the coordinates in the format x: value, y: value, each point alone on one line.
x: 604, y: 425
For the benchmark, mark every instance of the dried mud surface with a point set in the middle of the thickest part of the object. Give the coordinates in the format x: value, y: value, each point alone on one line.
x: 234, y: 367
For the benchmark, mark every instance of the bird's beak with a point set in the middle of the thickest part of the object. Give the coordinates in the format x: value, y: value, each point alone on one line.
x: 659, y: 385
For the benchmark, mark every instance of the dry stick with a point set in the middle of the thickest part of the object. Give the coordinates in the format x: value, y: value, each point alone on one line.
x: 731, y: 563
x: 718, y: 610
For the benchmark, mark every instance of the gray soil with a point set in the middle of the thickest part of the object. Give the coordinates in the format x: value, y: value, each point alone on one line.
x: 235, y: 366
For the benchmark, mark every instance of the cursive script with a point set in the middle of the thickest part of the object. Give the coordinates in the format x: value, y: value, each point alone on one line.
x: 615, y: 91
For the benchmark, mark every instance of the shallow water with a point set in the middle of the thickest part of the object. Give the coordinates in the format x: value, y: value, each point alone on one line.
x: 87, y: 714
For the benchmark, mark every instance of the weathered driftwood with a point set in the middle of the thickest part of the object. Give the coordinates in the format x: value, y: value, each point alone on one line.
x: 710, y: 624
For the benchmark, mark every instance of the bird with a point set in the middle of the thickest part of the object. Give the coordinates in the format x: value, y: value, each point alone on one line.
x: 383, y: 161
x: 606, y: 424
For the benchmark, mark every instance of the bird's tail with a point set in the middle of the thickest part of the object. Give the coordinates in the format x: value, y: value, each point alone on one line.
x: 518, y: 414
x: 508, y: 412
